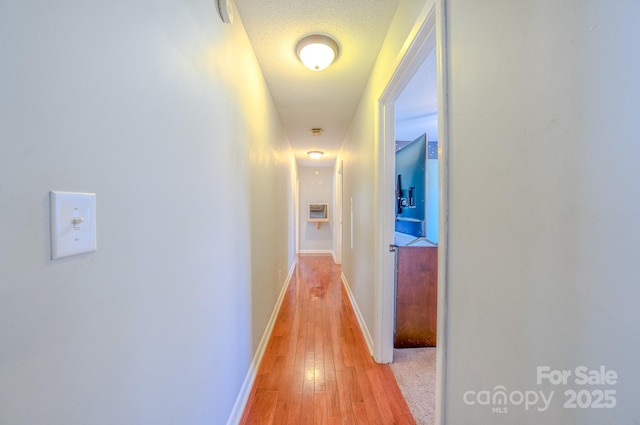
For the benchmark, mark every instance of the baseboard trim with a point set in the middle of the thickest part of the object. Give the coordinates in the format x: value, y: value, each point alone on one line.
x: 245, y: 390
x: 335, y: 257
x: 316, y: 251
x: 363, y: 326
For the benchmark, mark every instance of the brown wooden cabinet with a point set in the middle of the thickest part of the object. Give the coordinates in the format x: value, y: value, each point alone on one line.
x: 416, y: 297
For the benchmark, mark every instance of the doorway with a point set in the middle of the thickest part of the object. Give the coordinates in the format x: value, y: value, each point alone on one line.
x: 426, y: 40
x: 416, y: 207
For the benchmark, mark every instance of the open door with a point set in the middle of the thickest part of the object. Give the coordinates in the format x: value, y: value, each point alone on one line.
x: 416, y: 244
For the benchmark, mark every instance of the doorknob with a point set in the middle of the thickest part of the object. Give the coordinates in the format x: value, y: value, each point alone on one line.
x: 393, y: 248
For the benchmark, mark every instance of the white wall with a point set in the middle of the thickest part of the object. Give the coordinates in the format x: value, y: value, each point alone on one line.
x: 161, y: 110
x: 416, y: 108
x: 544, y: 207
x: 316, y: 186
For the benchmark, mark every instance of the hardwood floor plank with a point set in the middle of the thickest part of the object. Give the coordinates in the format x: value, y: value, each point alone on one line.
x: 394, y: 395
x: 281, y: 413
x: 263, y: 409
x: 271, y: 379
x: 309, y: 373
x: 354, y: 386
x: 318, y: 350
x: 333, y: 398
x: 284, y: 386
x: 308, y: 408
x: 321, y: 416
x: 338, y: 356
x: 317, y: 368
x: 360, y: 413
x: 344, y: 397
x: 406, y: 420
x: 294, y: 409
x: 380, y: 395
x: 368, y: 397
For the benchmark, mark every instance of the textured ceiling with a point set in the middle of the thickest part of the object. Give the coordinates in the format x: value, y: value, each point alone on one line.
x: 307, y: 99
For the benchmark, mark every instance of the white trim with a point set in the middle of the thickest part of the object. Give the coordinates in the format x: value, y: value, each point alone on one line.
x: 363, y: 326
x: 296, y: 212
x: 335, y: 257
x: 316, y: 251
x: 443, y: 215
x: 245, y: 390
x: 337, y: 213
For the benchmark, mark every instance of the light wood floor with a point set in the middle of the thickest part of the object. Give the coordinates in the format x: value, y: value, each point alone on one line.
x: 317, y: 368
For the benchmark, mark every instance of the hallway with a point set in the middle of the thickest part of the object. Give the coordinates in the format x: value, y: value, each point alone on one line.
x: 316, y: 368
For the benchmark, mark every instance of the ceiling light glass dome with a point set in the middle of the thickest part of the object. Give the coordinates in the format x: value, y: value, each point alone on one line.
x: 317, y: 51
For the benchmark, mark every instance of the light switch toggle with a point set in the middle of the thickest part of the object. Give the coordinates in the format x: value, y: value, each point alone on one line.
x: 76, y: 222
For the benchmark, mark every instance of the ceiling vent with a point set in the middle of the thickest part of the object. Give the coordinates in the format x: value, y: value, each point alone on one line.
x: 316, y: 132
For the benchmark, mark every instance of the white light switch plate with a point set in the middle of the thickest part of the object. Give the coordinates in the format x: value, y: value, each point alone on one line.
x: 73, y: 223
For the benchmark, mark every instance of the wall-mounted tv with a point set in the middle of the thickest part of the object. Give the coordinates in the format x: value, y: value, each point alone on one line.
x: 410, y: 187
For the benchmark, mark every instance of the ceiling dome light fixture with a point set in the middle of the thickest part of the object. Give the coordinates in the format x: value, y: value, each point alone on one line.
x: 225, y: 9
x: 317, y: 51
x: 315, y: 154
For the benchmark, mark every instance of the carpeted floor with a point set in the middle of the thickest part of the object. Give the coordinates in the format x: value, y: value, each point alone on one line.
x: 415, y: 372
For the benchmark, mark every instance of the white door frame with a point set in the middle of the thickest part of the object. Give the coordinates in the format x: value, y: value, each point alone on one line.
x: 296, y: 212
x: 428, y: 34
x: 337, y: 217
